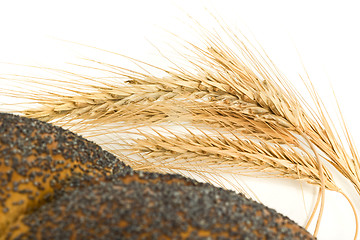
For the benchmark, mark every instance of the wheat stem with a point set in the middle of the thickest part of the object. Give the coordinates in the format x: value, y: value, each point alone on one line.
x: 355, y: 214
x: 322, y: 185
x: 314, y: 209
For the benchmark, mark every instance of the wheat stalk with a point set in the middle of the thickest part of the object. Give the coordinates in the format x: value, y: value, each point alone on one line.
x: 241, y: 94
x: 232, y: 155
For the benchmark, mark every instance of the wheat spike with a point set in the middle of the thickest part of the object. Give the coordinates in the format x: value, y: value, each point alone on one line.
x: 231, y: 155
x: 236, y: 92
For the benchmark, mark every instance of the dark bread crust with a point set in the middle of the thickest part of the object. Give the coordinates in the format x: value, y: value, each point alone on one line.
x: 36, y: 158
x: 57, y: 185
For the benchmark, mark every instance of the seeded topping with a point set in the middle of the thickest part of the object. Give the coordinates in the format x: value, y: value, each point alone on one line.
x: 36, y: 157
x: 57, y: 185
x: 159, y: 210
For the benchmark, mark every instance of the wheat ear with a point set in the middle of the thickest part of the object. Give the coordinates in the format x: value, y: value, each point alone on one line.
x: 240, y: 94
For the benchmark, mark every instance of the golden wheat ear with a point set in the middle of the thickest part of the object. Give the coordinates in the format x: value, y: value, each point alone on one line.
x: 241, y: 117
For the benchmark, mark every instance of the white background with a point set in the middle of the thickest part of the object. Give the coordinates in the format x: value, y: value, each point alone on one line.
x: 323, y: 35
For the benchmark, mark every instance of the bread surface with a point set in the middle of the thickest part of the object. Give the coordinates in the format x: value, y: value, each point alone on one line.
x: 57, y: 185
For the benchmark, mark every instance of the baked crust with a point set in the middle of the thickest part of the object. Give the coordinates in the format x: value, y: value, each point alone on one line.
x: 58, y: 185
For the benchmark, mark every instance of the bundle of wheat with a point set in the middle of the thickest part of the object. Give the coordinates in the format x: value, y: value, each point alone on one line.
x: 237, y: 112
